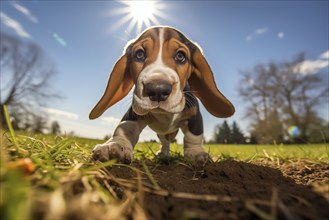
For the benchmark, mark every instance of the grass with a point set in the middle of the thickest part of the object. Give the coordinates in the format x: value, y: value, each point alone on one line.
x: 56, y: 163
x: 314, y: 152
x: 58, y: 175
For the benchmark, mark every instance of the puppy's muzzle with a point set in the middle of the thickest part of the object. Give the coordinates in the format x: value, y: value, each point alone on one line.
x: 157, y: 91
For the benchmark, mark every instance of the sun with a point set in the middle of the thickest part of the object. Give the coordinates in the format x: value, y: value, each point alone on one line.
x: 142, y: 10
x: 138, y: 14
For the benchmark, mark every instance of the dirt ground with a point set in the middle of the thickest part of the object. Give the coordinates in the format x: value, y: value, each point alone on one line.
x: 227, y: 190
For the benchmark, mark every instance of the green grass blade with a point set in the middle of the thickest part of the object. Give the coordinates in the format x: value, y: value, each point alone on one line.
x: 150, y: 176
x: 10, y: 127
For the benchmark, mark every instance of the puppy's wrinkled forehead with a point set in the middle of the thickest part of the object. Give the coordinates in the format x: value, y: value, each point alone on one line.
x: 159, y: 46
x: 167, y: 33
x: 155, y: 38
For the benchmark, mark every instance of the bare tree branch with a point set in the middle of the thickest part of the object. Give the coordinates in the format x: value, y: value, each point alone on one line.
x: 278, y: 96
x: 25, y: 75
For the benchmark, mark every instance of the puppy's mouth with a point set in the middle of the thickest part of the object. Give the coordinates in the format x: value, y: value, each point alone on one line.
x: 144, y: 105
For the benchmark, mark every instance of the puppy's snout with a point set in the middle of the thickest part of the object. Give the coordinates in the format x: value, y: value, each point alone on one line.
x: 157, y: 91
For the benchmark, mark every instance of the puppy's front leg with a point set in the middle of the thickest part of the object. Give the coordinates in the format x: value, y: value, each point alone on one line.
x: 120, y: 146
x: 193, y: 140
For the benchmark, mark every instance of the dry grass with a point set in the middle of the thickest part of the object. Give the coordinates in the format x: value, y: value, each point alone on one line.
x: 52, y: 177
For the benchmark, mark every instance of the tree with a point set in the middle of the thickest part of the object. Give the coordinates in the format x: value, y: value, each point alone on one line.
x: 222, y: 134
x: 39, y: 124
x: 55, y: 128
x: 279, y: 95
x: 107, y: 136
x: 269, y: 130
x: 25, y: 76
x: 237, y: 136
x: 252, y: 139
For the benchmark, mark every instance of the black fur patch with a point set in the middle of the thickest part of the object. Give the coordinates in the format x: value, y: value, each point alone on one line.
x: 130, y: 115
x: 195, y: 123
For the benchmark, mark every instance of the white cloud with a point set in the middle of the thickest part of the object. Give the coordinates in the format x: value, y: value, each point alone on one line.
x: 13, y: 24
x: 311, y: 66
x: 281, y: 35
x: 61, y: 113
x: 111, y: 120
x: 260, y: 31
x: 25, y: 11
x: 325, y: 55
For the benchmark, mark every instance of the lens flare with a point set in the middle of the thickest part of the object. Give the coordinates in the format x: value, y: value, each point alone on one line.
x: 60, y: 40
x: 294, y: 131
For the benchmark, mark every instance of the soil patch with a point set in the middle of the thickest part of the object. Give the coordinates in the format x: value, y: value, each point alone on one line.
x: 228, y: 190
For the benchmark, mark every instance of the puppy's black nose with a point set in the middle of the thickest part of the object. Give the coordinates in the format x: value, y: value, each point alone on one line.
x: 157, y: 91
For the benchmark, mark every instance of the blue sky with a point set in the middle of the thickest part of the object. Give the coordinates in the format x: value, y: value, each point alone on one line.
x: 83, y: 40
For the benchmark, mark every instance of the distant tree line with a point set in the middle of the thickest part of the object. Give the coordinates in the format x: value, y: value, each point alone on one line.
x: 225, y: 134
x: 35, y: 123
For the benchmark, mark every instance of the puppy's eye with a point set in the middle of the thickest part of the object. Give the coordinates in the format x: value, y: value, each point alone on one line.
x: 140, y: 55
x: 180, y: 57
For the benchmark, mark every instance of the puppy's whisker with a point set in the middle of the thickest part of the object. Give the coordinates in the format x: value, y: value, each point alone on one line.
x: 189, y: 99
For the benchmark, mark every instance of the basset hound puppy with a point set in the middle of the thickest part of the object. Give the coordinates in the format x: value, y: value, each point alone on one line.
x: 169, y: 73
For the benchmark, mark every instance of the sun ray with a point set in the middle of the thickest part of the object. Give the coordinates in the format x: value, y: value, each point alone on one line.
x: 122, y: 21
x: 154, y: 20
x: 131, y: 25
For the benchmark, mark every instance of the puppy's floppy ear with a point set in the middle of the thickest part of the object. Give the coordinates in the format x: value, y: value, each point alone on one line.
x: 118, y: 86
x: 203, y: 86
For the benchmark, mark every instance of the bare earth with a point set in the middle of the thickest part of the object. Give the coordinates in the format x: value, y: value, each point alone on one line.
x: 225, y: 190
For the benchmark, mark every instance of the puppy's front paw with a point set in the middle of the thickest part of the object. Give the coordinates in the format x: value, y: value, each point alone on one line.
x: 112, y: 150
x: 197, y: 155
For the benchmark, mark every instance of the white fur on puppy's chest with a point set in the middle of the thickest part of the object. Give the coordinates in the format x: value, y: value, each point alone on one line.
x: 166, y: 123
